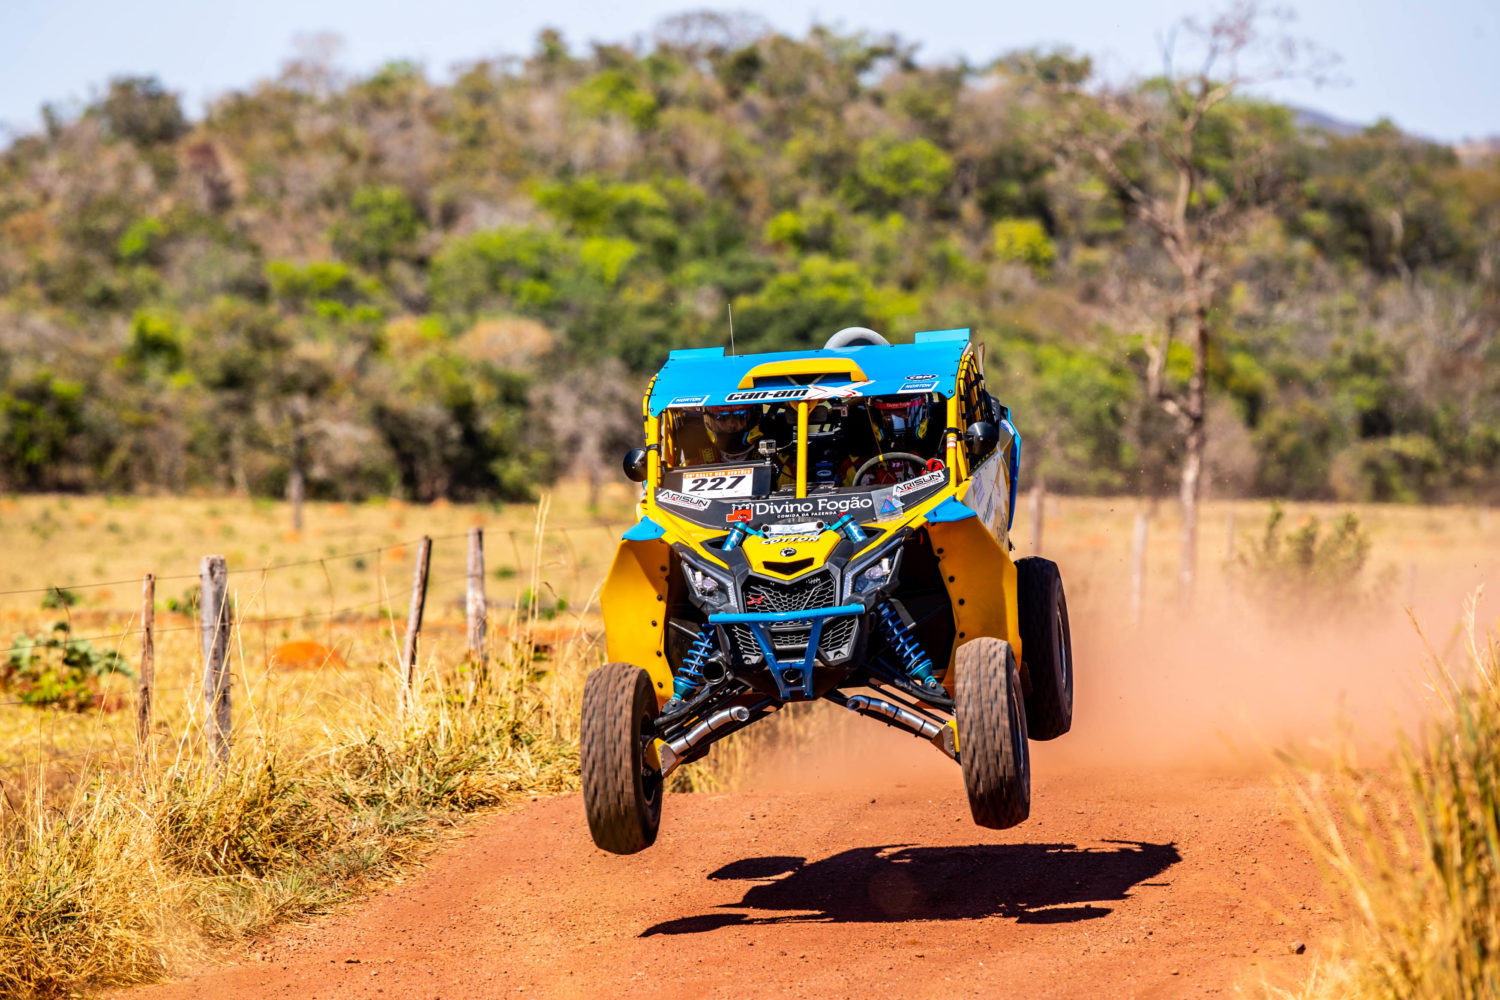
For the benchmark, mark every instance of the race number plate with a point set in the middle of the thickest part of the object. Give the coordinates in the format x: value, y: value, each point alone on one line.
x: 720, y: 484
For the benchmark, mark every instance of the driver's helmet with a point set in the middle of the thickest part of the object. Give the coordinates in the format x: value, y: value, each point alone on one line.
x: 899, y: 422
x: 729, y: 428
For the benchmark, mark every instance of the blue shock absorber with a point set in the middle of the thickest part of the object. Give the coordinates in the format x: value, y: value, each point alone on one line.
x: 916, y: 661
x: 690, y: 678
x: 851, y: 531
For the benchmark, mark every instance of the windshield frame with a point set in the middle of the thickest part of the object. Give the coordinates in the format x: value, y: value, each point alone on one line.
x: 658, y: 433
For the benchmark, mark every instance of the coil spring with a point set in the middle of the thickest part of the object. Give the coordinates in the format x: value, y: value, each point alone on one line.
x: 916, y: 661
x: 690, y: 678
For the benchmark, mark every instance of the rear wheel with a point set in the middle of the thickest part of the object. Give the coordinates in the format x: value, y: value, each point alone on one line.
x: 622, y: 792
x: 1047, y: 646
x: 992, y: 745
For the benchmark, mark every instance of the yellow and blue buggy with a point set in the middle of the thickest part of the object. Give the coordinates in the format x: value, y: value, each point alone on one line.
x: 824, y: 524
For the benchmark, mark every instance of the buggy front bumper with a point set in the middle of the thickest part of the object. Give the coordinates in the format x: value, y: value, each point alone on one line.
x: 800, y: 671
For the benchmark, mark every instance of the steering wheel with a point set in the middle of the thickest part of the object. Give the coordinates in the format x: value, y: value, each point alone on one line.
x: 885, y: 457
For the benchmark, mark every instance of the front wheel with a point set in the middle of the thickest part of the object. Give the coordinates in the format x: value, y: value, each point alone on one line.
x: 992, y: 746
x: 622, y: 791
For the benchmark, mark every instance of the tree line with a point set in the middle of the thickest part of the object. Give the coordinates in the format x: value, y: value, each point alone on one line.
x: 354, y: 285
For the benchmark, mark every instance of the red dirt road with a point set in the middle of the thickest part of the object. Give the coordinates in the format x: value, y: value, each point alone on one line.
x: 1123, y: 883
x: 1157, y: 861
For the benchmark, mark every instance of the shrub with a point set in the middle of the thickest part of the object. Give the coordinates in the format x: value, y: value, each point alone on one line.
x: 58, y: 670
x: 58, y: 598
x: 1309, y: 574
x: 1023, y: 241
x: 889, y: 171
x: 382, y: 225
x: 139, y: 109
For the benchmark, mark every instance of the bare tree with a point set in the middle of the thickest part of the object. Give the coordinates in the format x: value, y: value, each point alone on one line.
x: 1198, y: 166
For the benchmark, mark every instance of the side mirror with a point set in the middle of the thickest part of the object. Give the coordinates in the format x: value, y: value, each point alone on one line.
x: 981, y: 438
x: 635, y: 465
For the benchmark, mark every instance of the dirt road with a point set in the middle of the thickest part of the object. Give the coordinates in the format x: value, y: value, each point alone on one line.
x: 1123, y: 883
x: 1158, y: 862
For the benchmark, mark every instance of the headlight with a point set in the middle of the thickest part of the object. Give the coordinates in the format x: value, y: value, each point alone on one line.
x: 875, y: 575
x: 707, y: 589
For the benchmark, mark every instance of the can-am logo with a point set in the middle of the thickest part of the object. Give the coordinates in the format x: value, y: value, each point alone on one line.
x: 792, y: 393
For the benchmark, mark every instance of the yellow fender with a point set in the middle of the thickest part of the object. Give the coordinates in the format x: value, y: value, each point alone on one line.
x: 982, y: 604
x: 635, y: 592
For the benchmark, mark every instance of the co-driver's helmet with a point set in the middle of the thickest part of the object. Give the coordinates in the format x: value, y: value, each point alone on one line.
x: 899, y: 422
x: 729, y: 428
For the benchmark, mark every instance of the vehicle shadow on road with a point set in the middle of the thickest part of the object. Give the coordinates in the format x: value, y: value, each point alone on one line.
x: 1030, y: 883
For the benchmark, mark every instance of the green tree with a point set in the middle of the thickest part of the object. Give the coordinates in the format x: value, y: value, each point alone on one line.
x: 41, y: 422
x: 381, y: 226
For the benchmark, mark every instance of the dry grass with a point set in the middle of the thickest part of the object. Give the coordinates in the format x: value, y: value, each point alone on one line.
x: 119, y: 864
x: 124, y: 875
x: 1413, y: 851
x: 115, y: 872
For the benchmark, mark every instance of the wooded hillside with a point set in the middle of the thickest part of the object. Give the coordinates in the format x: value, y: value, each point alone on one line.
x: 440, y: 290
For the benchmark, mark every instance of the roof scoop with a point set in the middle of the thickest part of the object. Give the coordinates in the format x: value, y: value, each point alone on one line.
x: 855, y: 336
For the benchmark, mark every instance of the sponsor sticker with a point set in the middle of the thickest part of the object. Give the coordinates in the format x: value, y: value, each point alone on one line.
x: 824, y: 508
x: 920, y: 483
x: 812, y: 528
x: 741, y: 515
x: 916, y: 377
x: 794, y: 393
x: 682, y: 500
x: 924, y: 385
x: 688, y: 401
x: 720, y: 484
x: 889, y: 506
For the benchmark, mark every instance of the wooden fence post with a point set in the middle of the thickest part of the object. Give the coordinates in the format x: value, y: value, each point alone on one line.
x: 1038, y: 511
x: 1229, y: 564
x: 476, y: 604
x: 215, y: 618
x: 1138, y: 570
x: 148, y: 666
x: 414, y: 623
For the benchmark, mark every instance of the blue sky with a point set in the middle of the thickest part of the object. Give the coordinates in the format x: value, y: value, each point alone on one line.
x: 1433, y: 68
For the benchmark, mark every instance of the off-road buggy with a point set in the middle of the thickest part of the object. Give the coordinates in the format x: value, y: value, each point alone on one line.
x: 824, y: 524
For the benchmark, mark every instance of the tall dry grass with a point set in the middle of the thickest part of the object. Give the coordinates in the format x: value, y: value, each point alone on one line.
x: 1413, y: 851
x: 128, y: 868
x: 130, y: 873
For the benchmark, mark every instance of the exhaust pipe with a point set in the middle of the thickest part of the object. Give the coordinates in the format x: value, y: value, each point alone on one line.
x: 865, y: 705
x: 672, y: 753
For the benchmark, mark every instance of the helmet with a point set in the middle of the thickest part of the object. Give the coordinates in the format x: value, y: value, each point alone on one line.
x: 899, y: 422
x: 729, y: 428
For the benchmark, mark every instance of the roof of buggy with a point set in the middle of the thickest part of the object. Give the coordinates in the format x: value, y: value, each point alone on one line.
x: 708, y: 377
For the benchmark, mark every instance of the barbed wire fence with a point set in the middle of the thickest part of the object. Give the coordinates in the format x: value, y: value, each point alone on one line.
x: 217, y: 620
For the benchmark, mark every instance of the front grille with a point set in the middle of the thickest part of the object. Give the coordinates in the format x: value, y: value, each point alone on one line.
x: 837, y: 637
x: 789, y: 639
x: 814, y: 591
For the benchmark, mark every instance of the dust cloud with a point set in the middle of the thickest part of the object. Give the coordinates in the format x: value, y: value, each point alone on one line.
x: 1213, y: 693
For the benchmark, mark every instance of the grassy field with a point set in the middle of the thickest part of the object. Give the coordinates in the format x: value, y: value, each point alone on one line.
x: 328, y: 787
x: 344, y: 583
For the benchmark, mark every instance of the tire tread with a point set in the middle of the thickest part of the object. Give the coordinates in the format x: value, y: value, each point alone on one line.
x: 620, y: 819
x: 999, y: 784
x: 1049, y: 708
